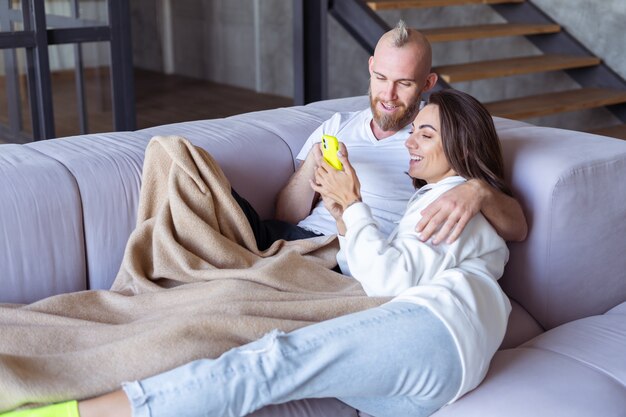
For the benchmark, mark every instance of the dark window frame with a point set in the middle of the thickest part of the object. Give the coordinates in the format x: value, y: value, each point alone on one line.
x: 35, y: 39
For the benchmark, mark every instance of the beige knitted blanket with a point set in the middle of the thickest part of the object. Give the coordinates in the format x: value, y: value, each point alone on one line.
x: 192, y: 284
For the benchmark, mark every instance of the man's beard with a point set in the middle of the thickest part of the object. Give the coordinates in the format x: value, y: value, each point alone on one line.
x: 396, y: 121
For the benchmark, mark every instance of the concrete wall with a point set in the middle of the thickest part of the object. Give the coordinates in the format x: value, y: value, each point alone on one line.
x: 245, y: 43
x: 147, y: 35
x: 248, y: 43
x: 599, y: 25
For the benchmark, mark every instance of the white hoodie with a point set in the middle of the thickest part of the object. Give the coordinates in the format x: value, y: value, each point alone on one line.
x: 457, y: 281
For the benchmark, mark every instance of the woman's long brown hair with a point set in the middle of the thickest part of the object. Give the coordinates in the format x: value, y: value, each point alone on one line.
x: 469, y: 138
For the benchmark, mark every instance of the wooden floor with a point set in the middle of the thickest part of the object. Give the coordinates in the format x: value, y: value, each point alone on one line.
x: 165, y: 99
x: 160, y: 99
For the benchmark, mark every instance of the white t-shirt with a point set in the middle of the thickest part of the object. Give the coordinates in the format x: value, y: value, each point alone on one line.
x: 381, y: 166
x: 457, y: 281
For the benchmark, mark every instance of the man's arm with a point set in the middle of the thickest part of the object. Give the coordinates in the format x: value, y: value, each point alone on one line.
x: 453, y: 210
x: 297, y: 198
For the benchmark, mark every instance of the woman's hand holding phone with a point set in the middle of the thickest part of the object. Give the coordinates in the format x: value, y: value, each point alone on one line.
x: 340, y: 187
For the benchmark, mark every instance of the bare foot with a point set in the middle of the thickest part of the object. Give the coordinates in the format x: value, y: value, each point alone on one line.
x: 115, y: 404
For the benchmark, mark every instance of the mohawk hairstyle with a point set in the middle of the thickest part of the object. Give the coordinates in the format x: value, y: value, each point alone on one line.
x: 400, y: 34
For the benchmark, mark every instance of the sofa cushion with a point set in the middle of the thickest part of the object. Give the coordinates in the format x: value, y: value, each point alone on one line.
x: 107, y: 170
x: 577, y: 369
x: 292, y: 125
x: 256, y: 161
x: 41, y: 227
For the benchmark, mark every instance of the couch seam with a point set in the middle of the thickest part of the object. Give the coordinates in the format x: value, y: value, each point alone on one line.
x: 571, y: 358
x: 82, y: 210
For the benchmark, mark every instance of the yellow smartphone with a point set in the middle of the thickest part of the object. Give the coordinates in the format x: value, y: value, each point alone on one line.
x: 330, y: 146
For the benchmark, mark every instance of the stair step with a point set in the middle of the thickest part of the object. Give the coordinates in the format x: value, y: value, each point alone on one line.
x: 552, y: 103
x: 618, y: 131
x: 512, y: 66
x: 409, y: 4
x: 459, y: 33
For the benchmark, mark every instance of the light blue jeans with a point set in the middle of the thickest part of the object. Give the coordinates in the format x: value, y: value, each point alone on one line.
x: 394, y: 360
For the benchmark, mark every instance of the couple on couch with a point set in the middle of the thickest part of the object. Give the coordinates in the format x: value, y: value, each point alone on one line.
x: 434, y: 340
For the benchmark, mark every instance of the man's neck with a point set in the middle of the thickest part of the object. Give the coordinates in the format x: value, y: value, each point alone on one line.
x: 379, y: 133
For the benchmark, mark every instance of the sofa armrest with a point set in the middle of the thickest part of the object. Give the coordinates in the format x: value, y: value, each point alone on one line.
x: 572, y: 188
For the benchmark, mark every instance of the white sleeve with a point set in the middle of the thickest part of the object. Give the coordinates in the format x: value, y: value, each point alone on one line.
x: 387, y: 267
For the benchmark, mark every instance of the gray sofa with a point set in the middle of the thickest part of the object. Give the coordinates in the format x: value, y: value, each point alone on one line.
x: 67, y: 207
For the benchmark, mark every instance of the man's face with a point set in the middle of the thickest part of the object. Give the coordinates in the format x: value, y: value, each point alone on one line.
x: 395, y: 87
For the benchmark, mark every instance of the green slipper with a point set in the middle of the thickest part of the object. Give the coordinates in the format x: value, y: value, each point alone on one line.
x: 66, y: 409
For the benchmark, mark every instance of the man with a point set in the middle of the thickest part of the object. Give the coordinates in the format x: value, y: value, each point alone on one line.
x: 399, y: 74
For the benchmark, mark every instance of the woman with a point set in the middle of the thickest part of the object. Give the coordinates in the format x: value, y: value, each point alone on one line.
x: 427, y: 347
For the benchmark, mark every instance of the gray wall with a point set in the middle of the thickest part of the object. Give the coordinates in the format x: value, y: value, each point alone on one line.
x: 245, y: 43
x: 248, y: 43
x: 147, y: 35
x: 599, y: 25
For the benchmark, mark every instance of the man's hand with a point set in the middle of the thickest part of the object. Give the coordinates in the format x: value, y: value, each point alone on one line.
x: 316, y: 154
x: 448, y: 215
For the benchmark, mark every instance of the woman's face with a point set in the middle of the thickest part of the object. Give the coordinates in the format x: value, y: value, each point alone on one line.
x: 428, y: 161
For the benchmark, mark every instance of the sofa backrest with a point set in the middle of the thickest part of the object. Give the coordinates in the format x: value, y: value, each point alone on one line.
x: 41, y: 227
x: 106, y: 171
x: 68, y: 206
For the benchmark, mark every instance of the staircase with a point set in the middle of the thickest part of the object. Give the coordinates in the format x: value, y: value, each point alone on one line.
x: 600, y: 86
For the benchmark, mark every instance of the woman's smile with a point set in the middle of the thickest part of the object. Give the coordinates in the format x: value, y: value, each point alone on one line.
x: 428, y: 160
